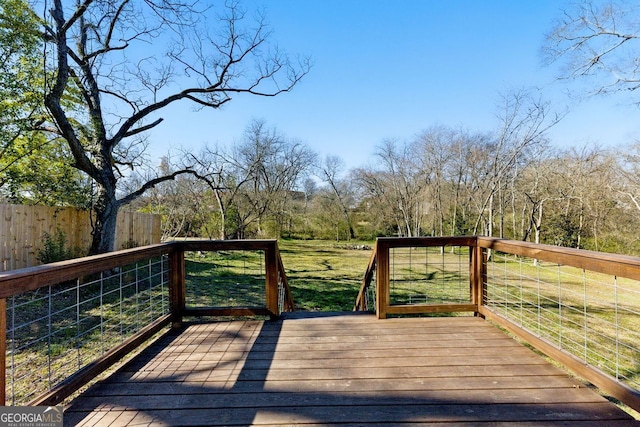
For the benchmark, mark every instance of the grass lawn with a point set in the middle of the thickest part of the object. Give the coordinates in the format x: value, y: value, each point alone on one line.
x: 324, y: 275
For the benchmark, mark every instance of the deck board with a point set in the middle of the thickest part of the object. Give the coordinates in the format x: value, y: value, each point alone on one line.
x: 341, y: 369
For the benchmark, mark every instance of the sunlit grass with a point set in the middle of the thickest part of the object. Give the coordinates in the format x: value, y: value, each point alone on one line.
x: 225, y: 279
x: 429, y: 275
x: 324, y: 275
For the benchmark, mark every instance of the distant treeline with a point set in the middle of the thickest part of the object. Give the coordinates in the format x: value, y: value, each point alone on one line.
x: 442, y: 182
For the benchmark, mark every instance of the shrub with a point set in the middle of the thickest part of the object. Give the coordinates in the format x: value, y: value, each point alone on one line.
x: 55, y: 248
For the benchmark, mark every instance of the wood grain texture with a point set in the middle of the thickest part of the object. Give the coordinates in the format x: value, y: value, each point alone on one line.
x: 348, y: 369
x: 601, y: 262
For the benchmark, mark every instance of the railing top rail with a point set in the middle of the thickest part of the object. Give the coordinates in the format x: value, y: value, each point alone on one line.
x: 601, y: 262
x: 150, y: 281
x: 27, y: 279
x: 213, y: 245
x: 399, y: 242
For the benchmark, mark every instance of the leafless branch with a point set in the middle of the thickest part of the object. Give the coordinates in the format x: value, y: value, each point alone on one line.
x: 598, y: 41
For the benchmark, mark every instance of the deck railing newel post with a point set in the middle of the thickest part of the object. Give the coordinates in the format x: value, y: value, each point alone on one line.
x: 482, y: 275
x: 271, y: 264
x: 382, y: 279
x: 484, y: 259
x: 3, y: 350
x: 177, y: 302
x: 476, y: 266
x: 473, y: 276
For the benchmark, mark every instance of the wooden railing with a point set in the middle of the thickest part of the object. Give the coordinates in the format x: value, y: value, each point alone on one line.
x: 62, y: 324
x: 581, y: 308
x: 421, y: 275
x: 367, y: 292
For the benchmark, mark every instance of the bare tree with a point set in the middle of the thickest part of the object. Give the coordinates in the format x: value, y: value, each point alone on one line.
x: 540, y: 183
x: 396, y: 186
x: 213, y: 168
x: 328, y: 172
x: 589, y: 177
x: 463, y: 170
x: 268, y: 168
x: 599, y: 42
x: 628, y: 170
x: 524, y: 120
x: 310, y: 189
x: 443, y: 166
x: 179, y: 201
x: 106, y: 57
x: 255, y: 178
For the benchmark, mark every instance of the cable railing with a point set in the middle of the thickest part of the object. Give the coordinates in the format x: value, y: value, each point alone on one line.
x: 594, y: 316
x: 581, y: 308
x: 366, y: 299
x: 63, y: 327
x: 232, y: 278
x: 63, y: 324
x: 285, y: 298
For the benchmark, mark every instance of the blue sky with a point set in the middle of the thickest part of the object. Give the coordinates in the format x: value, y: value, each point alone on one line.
x: 389, y: 69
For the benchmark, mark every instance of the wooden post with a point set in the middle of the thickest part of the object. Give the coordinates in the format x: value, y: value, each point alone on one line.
x: 382, y: 279
x: 271, y: 267
x: 475, y: 275
x: 483, y: 275
x: 479, y: 277
x: 3, y: 351
x: 177, y: 302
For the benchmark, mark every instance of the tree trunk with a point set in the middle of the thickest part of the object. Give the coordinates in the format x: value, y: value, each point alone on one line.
x: 538, y: 223
x: 104, y: 228
x: 501, y: 213
x: 223, y: 216
x: 537, y: 228
x: 454, y: 222
x: 490, y: 219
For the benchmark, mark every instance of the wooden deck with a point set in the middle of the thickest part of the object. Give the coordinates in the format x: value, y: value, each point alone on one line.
x: 347, y: 369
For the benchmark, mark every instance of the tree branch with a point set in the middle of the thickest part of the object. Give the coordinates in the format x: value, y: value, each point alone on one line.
x: 143, y: 128
x: 150, y: 184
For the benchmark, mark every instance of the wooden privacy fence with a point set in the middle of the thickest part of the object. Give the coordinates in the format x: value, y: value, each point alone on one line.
x: 22, y: 228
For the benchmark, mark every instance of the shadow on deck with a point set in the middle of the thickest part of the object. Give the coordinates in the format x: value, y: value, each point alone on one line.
x: 339, y: 368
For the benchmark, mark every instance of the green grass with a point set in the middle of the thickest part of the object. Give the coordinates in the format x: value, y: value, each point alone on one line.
x: 429, y: 275
x: 327, y: 275
x: 225, y: 279
x: 324, y: 275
